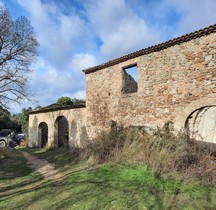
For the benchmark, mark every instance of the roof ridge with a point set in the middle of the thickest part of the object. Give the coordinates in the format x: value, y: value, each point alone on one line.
x: 178, y: 40
x: 56, y: 108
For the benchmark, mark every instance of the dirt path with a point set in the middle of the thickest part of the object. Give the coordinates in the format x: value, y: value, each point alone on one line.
x: 43, y: 167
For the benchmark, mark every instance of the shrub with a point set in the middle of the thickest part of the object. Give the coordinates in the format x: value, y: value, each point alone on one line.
x: 167, y: 154
x: 102, y: 147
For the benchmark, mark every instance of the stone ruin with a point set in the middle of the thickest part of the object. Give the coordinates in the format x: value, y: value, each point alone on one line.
x: 176, y: 81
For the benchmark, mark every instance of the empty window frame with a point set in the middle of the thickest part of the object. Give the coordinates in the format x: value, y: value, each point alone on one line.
x: 130, y: 79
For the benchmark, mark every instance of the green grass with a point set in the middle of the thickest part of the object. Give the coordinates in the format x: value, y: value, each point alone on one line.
x: 97, y: 187
x: 14, y: 165
x: 60, y: 157
x: 15, y: 173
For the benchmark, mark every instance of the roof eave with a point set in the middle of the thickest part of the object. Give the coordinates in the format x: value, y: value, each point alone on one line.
x: 155, y: 48
x: 43, y: 110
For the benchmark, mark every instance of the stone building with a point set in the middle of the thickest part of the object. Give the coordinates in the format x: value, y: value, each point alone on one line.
x: 176, y: 81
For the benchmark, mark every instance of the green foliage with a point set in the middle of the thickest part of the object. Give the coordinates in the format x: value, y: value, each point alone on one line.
x: 37, y: 107
x: 22, y: 119
x: 64, y: 100
x: 77, y: 101
x: 5, y: 121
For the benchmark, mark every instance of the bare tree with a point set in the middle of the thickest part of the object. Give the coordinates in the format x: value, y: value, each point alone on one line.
x: 18, y: 49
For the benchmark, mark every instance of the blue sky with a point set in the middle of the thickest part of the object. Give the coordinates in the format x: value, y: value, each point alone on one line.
x: 77, y: 34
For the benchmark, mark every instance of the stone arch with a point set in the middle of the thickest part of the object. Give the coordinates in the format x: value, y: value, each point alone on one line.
x: 201, y: 124
x: 182, y: 114
x: 43, y: 134
x: 196, y: 108
x: 61, y: 135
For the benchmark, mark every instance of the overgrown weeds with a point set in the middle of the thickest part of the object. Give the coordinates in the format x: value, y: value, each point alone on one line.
x: 140, y: 170
x: 169, y: 155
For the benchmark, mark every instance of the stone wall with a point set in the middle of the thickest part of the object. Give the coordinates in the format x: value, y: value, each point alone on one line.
x: 130, y: 85
x: 169, y: 80
x: 176, y: 82
x: 76, y: 119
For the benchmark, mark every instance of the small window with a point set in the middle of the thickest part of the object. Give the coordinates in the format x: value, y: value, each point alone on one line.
x: 130, y: 79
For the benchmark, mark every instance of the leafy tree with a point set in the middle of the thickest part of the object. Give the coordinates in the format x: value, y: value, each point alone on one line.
x: 77, y: 101
x: 5, y: 120
x: 18, y: 49
x: 17, y: 122
x: 22, y: 119
x: 37, y: 107
x: 64, y: 100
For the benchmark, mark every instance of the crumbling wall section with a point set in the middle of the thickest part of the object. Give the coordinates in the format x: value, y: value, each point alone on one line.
x: 130, y: 85
x: 201, y: 124
x: 168, y: 81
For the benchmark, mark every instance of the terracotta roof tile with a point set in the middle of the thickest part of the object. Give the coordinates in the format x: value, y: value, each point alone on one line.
x: 155, y: 48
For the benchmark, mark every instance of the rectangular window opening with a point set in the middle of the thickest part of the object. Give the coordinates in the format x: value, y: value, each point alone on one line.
x: 130, y: 79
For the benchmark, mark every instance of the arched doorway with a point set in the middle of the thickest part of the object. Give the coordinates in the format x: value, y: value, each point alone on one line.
x: 61, y: 132
x: 201, y: 124
x: 43, y: 134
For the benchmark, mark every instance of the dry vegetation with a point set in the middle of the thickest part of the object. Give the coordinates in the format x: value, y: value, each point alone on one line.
x: 169, y: 155
x: 139, y: 170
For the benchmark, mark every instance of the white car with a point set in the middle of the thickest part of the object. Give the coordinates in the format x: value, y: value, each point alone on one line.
x: 5, y: 137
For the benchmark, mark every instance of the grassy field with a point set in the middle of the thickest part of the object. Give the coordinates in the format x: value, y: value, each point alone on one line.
x: 95, y: 186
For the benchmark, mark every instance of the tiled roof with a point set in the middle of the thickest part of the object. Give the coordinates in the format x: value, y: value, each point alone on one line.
x: 162, y: 46
x: 54, y: 107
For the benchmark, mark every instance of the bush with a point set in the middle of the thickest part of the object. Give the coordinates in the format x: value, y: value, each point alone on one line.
x: 167, y: 154
x: 102, y: 147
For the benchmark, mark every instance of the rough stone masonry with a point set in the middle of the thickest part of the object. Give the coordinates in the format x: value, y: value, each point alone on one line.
x: 176, y: 82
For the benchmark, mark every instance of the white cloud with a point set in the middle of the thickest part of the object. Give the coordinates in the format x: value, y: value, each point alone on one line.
x: 62, y: 38
x: 59, y: 34
x: 81, y: 94
x: 194, y: 14
x: 120, y: 29
x: 74, y: 40
x: 81, y: 61
x: 49, y: 84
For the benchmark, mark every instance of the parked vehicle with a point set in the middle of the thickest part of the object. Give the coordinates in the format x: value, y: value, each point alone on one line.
x: 20, y: 139
x: 9, y: 138
x: 5, y: 137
